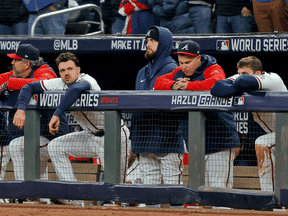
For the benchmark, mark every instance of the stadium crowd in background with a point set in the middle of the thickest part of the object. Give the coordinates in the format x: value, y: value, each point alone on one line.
x: 13, y: 18
x: 199, y: 72
x: 252, y: 77
x: 51, y: 25
x: 236, y: 19
x: 136, y: 17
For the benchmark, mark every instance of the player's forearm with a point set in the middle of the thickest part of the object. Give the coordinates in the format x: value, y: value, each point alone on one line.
x: 26, y: 93
x: 162, y: 83
x: 224, y: 88
x: 246, y: 82
x: 72, y: 94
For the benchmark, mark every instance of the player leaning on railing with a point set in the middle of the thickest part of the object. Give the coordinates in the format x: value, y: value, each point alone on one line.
x: 87, y: 143
x: 252, y: 77
x: 27, y: 67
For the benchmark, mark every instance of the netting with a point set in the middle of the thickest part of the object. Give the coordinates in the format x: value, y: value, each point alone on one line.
x: 236, y: 144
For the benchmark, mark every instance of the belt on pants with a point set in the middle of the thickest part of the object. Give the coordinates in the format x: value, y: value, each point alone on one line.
x: 98, y: 133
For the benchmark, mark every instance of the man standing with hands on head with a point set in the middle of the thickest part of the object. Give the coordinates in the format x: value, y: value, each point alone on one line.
x: 199, y: 72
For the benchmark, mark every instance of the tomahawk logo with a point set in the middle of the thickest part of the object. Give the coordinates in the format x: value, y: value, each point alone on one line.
x: 185, y: 47
x: 222, y: 45
x: 148, y: 33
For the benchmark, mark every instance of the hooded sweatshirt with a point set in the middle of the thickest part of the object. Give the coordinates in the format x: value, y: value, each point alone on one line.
x: 162, y: 64
x: 156, y: 132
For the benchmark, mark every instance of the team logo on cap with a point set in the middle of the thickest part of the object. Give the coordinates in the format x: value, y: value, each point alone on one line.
x: 148, y: 33
x: 185, y: 47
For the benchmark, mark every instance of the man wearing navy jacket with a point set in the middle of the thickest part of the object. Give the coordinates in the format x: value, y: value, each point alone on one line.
x: 52, y: 25
x: 155, y: 135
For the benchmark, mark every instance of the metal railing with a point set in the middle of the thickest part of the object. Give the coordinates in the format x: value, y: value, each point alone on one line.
x: 73, y: 9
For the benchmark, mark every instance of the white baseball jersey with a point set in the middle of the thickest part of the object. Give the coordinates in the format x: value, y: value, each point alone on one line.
x: 269, y: 82
x: 92, y: 121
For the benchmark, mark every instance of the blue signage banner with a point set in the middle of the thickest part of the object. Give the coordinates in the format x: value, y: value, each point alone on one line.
x: 156, y: 100
x: 215, y: 43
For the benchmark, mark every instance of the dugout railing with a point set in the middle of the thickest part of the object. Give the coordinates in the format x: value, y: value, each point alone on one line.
x: 112, y: 103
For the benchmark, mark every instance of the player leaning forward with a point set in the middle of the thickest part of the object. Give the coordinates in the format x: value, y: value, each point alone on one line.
x: 87, y: 143
x: 251, y: 77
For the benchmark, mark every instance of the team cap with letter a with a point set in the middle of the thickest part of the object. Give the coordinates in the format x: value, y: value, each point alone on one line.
x: 25, y: 51
x: 189, y: 47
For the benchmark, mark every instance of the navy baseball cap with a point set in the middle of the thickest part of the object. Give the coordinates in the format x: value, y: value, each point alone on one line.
x: 189, y: 47
x: 25, y: 51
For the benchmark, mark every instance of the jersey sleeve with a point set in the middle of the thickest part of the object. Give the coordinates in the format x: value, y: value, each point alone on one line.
x: 5, y: 77
x: 52, y: 84
x: 212, y: 75
x: 72, y: 94
x: 165, y: 82
x: 26, y: 93
x: 40, y: 74
x: 271, y: 82
x: 223, y: 88
x: 231, y: 86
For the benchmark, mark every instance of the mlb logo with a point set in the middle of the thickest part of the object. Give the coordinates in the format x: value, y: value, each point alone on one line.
x: 33, y: 100
x: 176, y: 44
x: 239, y: 101
x: 222, y: 45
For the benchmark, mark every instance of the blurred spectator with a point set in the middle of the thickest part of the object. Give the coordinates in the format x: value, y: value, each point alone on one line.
x: 118, y: 21
x: 114, y: 22
x: 270, y: 15
x: 52, y: 25
x: 200, y: 13
x: 174, y: 15
x: 139, y: 17
x: 13, y: 18
x: 87, y: 14
x: 234, y: 16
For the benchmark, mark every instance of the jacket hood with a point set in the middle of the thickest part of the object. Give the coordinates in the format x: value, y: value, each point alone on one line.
x: 207, y: 61
x: 162, y: 55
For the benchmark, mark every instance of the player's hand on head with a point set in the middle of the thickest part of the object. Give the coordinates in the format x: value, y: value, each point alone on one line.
x: 19, y: 118
x: 54, y: 125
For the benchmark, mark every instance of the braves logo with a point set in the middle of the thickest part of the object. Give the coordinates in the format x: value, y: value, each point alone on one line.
x: 148, y: 33
x: 185, y: 47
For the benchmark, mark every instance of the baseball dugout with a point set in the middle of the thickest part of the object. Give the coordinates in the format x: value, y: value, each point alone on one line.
x: 195, y: 190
